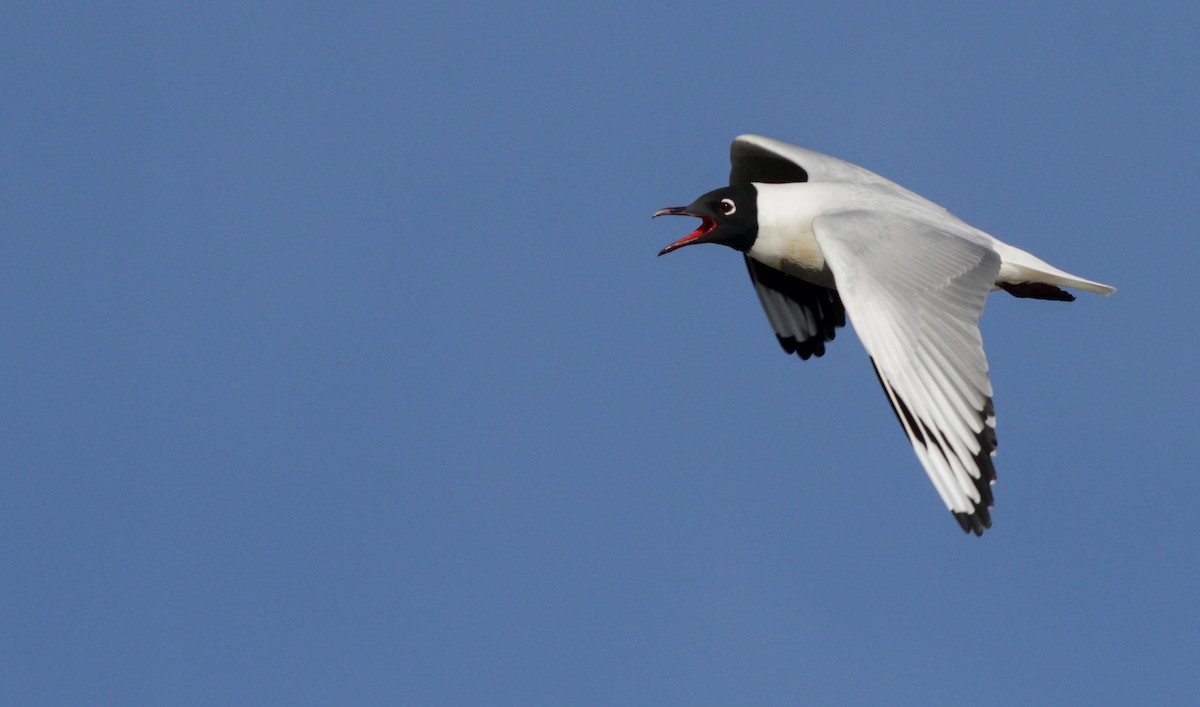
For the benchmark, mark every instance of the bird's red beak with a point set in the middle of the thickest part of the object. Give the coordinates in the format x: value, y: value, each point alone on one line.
x: 706, y: 227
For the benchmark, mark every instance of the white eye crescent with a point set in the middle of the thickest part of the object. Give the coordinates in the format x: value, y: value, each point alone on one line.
x: 728, y: 207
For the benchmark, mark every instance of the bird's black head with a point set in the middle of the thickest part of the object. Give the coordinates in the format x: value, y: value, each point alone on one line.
x: 729, y: 214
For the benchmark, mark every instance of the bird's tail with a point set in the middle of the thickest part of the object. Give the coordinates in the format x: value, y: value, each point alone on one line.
x: 1018, y: 268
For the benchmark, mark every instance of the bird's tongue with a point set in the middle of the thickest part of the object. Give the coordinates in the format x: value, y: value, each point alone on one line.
x: 705, y: 228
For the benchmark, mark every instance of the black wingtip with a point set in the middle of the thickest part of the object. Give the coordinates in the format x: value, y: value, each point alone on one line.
x: 803, y: 349
x: 979, y: 518
x: 982, y: 516
x: 974, y: 522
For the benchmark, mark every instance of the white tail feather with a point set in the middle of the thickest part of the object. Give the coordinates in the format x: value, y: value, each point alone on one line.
x: 1017, y: 266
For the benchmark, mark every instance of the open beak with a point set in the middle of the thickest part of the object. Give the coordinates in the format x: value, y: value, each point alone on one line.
x: 706, y: 227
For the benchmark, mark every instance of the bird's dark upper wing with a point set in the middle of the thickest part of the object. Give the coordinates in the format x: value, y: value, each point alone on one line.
x: 754, y: 158
x: 803, y: 315
x: 751, y: 161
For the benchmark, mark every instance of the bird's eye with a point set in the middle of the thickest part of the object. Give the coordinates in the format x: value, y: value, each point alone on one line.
x: 728, y: 207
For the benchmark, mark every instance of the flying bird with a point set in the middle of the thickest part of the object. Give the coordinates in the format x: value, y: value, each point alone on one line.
x: 824, y: 239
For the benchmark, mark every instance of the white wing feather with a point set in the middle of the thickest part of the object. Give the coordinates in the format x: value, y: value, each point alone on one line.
x: 914, y: 292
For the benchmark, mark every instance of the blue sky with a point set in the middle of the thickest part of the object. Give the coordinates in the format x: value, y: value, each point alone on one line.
x: 339, y: 366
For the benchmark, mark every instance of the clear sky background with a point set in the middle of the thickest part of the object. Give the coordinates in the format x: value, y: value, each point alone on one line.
x: 338, y: 365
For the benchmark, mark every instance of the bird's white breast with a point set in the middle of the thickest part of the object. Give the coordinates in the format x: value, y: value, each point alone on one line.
x: 785, y: 235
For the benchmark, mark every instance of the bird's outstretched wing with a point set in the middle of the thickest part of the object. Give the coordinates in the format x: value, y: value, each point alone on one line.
x: 915, y: 292
x: 803, y: 315
x: 754, y: 158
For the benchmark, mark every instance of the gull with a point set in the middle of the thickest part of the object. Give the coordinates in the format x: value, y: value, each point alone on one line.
x: 824, y: 239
